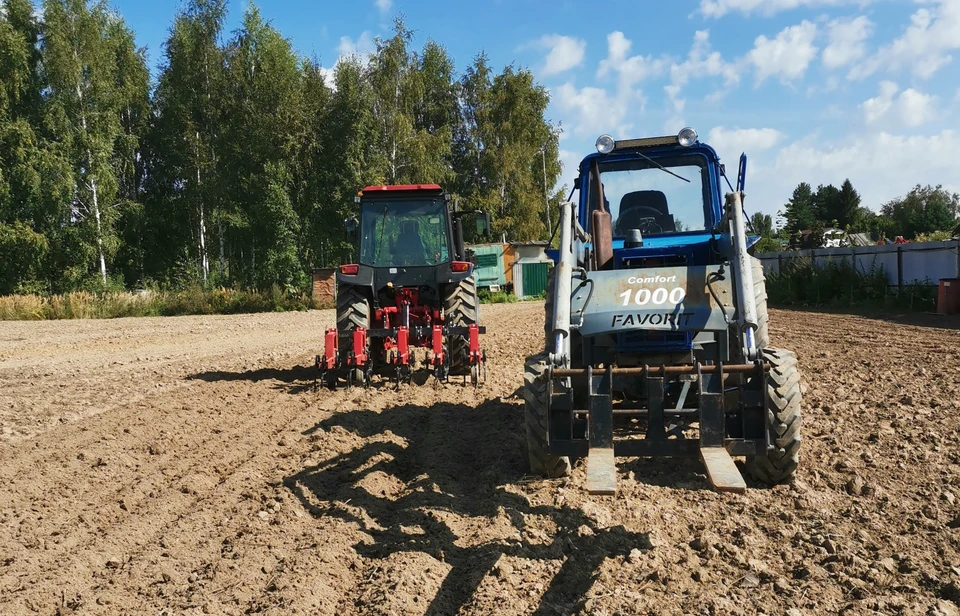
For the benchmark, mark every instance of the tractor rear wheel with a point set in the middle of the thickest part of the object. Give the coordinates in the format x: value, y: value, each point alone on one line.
x: 542, y: 462
x: 461, y: 308
x: 783, y: 420
x: 353, y: 310
x: 760, y: 300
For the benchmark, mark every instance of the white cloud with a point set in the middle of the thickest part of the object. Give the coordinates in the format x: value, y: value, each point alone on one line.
x: 876, y: 108
x: 847, y: 41
x: 719, y: 8
x: 701, y: 62
x: 595, y: 111
x: 384, y: 5
x: 917, y: 108
x: 565, y: 53
x: 911, y: 109
x: 362, y: 46
x: 743, y: 139
x: 925, y: 45
x: 631, y: 70
x: 787, y: 55
x: 881, y: 166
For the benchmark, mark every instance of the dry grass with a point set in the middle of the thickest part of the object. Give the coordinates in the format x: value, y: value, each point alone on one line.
x: 85, y: 305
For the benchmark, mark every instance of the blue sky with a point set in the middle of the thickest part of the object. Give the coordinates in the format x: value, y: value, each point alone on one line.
x: 811, y: 90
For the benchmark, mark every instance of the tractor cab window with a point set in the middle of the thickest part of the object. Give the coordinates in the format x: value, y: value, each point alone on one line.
x: 639, y: 195
x: 403, y: 233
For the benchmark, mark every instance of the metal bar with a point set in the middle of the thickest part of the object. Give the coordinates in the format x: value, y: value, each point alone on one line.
x: 655, y: 427
x: 711, y: 411
x: 601, y: 410
x: 644, y: 447
x: 645, y: 413
x: 899, y: 269
x: 721, y: 470
x: 667, y: 370
x: 601, y: 467
x: 417, y: 330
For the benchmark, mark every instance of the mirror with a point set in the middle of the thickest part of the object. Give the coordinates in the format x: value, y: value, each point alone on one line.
x: 483, y: 224
x: 351, y: 225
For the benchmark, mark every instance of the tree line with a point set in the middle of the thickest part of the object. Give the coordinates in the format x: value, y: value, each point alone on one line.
x: 924, y: 213
x: 237, y: 165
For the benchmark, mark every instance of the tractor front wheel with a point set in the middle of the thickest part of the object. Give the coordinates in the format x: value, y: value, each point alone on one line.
x: 542, y: 462
x: 779, y: 465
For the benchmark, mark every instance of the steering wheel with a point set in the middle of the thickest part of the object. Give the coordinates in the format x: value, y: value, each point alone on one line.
x: 643, y: 217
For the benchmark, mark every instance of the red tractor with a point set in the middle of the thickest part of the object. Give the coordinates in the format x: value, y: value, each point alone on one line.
x: 411, y: 288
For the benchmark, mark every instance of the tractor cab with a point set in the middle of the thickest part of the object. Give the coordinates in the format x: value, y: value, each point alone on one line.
x: 651, y: 197
x: 409, y: 228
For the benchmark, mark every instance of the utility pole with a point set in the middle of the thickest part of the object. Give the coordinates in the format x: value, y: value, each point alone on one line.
x: 546, y: 197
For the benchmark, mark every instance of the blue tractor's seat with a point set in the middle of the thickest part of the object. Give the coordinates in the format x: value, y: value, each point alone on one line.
x: 640, y: 204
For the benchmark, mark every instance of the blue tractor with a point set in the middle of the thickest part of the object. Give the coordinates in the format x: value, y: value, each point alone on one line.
x: 656, y: 338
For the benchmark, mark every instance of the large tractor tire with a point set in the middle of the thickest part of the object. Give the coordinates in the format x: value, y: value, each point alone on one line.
x: 783, y: 421
x: 461, y: 307
x: 576, y: 352
x: 542, y: 462
x: 760, y: 299
x: 353, y: 310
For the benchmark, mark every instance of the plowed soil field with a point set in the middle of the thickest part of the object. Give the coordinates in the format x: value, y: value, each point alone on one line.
x: 186, y: 466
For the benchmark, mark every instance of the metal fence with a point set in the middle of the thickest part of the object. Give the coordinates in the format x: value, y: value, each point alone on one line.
x: 903, y: 263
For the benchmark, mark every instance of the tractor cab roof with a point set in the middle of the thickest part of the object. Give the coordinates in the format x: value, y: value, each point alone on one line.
x: 402, y: 190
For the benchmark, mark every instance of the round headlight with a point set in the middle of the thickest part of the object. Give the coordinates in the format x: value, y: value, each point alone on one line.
x: 687, y: 137
x: 605, y: 144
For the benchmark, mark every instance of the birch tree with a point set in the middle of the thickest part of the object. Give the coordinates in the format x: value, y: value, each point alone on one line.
x: 260, y: 128
x: 188, y: 104
x: 79, y: 61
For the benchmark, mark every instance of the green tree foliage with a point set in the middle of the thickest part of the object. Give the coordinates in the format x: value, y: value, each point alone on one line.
x: 91, y: 73
x: 800, y: 211
x: 762, y: 225
x: 503, y: 149
x: 240, y: 165
x: 188, y: 104
x: 924, y: 209
x: 23, y: 212
x: 846, y: 206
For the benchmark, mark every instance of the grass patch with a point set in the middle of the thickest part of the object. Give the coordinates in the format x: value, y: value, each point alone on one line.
x: 109, y: 305
x: 500, y: 297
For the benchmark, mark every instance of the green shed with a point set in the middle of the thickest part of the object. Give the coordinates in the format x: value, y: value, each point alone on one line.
x: 489, y: 270
x: 534, y: 278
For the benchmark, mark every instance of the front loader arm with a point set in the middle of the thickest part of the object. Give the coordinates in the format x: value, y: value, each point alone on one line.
x: 742, y: 275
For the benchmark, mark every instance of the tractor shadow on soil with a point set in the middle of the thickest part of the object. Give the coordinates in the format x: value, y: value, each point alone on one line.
x: 463, y: 462
x: 295, y: 380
